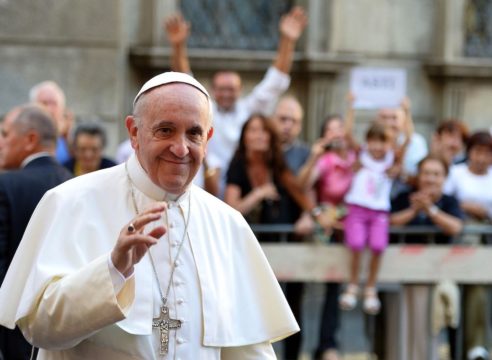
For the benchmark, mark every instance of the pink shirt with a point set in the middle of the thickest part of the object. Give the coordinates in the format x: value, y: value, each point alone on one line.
x: 335, y: 177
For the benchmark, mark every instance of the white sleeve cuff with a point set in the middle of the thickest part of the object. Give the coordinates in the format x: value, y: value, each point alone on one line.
x: 277, y: 79
x: 117, y: 278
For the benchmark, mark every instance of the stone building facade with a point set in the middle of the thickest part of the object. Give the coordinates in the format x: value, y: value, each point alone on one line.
x: 100, y: 52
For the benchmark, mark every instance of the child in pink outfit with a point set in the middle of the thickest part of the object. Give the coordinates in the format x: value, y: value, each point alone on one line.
x: 368, y: 206
x: 368, y: 199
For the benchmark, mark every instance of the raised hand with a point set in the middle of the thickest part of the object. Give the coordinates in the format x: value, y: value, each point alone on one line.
x: 319, y: 147
x: 293, y: 23
x: 350, y: 99
x: 405, y: 104
x: 177, y: 29
x: 133, y: 244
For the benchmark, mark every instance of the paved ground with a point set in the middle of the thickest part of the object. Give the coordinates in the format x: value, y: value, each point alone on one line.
x: 354, y: 345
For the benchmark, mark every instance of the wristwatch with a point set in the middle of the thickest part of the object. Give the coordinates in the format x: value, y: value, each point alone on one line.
x: 433, y: 210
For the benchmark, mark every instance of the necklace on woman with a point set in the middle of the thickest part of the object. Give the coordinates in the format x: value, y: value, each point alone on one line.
x: 163, y: 322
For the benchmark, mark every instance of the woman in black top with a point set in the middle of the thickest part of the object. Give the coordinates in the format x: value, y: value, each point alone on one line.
x: 427, y: 205
x: 259, y: 183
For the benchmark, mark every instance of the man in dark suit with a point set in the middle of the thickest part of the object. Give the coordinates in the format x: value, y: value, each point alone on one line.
x: 27, y: 143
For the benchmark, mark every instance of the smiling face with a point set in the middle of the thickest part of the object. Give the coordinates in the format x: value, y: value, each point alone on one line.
x: 288, y: 119
x: 169, y: 133
x: 378, y: 148
x: 393, y: 119
x: 479, y: 158
x: 13, y: 143
x: 54, y: 103
x: 451, y: 143
x: 226, y: 89
x: 88, y: 150
x: 256, y: 136
x: 334, y: 133
x: 431, y: 176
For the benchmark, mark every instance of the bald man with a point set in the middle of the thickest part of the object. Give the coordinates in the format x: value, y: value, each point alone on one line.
x: 51, y: 97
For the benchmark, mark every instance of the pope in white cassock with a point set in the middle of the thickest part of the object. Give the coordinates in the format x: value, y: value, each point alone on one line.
x: 134, y: 262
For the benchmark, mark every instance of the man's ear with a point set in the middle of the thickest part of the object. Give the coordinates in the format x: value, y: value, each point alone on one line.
x: 132, y: 128
x: 210, y: 133
x: 32, y: 140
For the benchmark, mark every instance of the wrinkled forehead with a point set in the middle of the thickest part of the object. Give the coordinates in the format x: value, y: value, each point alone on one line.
x: 290, y: 110
x: 168, y: 78
x: 163, y: 95
x: 226, y: 79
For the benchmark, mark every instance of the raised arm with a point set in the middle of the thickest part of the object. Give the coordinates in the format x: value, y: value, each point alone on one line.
x: 408, y: 129
x: 291, y: 27
x: 349, y: 122
x: 177, y: 31
x: 308, y: 174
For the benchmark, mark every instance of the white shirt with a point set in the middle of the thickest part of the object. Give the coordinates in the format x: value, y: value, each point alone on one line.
x: 371, y: 185
x: 223, y: 289
x: 228, y: 124
x: 416, y: 151
x: 466, y: 186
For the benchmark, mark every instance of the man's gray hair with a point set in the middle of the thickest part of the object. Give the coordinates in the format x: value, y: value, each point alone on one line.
x: 34, y: 118
x: 33, y: 93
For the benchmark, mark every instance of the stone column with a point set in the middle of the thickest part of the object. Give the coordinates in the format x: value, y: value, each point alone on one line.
x: 319, y: 99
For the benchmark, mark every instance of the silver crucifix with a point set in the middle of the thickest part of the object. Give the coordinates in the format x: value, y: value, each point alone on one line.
x: 164, y: 323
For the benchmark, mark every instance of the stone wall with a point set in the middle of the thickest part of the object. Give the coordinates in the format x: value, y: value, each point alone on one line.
x: 78, y: 44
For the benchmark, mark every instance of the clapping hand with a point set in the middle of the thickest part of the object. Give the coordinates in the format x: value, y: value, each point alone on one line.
x: 293, y: 23
x: 421, y: 201
x: 268, y: 191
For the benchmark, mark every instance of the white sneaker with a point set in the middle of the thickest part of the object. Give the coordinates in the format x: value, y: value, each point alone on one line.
x: 478, y: 353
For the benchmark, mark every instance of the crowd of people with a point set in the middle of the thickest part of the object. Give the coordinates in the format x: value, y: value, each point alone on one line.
x: 257, y: 164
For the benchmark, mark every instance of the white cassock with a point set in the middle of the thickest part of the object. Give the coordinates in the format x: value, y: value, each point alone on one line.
x: 62, y: 293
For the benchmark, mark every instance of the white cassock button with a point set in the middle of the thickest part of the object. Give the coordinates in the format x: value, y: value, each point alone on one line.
x: 180, y: 340
x: 180, y: 301
x: 172, y: 224
x: 177, y: 263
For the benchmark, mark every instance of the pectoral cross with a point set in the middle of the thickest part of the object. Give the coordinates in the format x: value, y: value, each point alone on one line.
x: 164, y: 323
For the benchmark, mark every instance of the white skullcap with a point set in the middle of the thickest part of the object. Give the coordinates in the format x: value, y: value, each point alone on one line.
x: 168, y: 78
